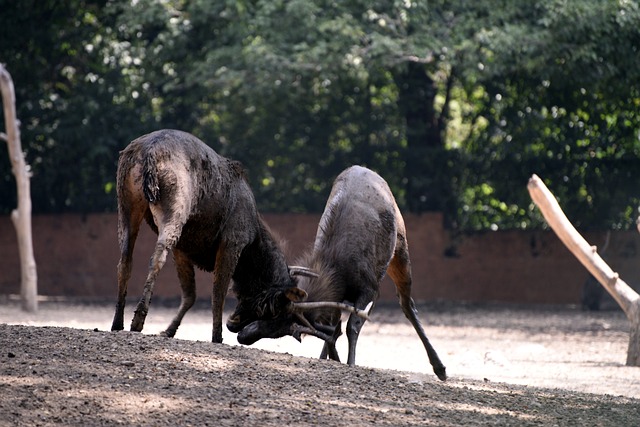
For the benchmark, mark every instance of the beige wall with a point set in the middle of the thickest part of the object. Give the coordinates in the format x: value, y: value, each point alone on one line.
x: 77, y: 256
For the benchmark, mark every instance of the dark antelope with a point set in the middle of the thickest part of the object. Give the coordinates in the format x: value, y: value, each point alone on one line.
x: 202, y: 209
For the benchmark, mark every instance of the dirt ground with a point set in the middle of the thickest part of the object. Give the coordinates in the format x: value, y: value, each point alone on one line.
x: 516, y: 366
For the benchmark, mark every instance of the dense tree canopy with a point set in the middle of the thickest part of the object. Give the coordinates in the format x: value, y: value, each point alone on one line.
x: 455, y: 103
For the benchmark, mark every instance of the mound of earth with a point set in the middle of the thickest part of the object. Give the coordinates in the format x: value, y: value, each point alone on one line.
x: 68, y: 376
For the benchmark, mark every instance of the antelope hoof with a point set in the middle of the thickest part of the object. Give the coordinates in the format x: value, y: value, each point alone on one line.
x: 137, y: 323
x: 117, y: 326
x: 441, y: 373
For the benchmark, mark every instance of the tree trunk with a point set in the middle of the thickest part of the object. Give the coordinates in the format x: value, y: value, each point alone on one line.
x: 21, y: 216
x: 624, y: 295
x: 425, y: 171
x: 633, y: 351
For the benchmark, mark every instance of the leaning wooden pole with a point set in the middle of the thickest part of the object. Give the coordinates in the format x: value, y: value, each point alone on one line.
x: 21, y: 216
x: 624, y: 295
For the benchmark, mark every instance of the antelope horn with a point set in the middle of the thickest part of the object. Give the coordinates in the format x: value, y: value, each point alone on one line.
x: 297, y: 270
x: 307, y: 328
x: 303, y: 306
x: 298, y: 330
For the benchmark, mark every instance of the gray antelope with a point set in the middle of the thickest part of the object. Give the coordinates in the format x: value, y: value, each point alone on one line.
x: 360, y: 237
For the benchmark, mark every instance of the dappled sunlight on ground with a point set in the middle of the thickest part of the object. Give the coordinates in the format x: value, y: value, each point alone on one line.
x: 547, y: 348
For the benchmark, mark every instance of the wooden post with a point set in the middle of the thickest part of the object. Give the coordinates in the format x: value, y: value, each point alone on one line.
x: 21, y: 216
x: 624, y: 295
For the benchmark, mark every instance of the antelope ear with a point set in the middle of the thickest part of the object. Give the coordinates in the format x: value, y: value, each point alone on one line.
x: 295, y: 294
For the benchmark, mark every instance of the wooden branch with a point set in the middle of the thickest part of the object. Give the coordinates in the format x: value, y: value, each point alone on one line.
x: 21, y: 216
x: 624, y: 295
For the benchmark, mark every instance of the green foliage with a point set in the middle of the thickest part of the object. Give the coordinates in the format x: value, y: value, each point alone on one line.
x: 560, y: 99
x: 455, y: 103
x: 73, y: 98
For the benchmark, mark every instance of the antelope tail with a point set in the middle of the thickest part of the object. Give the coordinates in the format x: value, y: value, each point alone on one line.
x: 150, y: 187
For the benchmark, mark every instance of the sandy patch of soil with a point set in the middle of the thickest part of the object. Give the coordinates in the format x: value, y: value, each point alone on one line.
x: 507, y: 366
